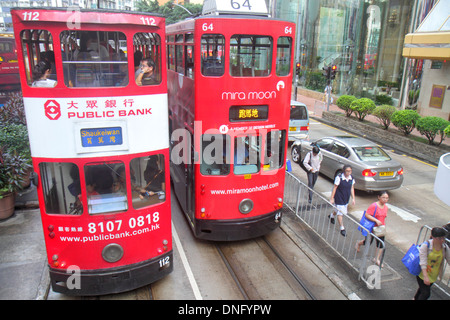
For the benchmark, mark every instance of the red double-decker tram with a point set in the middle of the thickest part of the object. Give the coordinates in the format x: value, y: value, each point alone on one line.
x: 95, y: 95
x: 229, y: 86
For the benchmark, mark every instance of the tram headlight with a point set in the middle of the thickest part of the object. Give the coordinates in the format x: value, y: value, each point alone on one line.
x: 246, y: 206
x: 112, y: 252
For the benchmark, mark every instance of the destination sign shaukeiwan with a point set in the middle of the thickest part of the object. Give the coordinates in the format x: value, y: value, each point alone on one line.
x: 248, y: 113
x: 97, y: 137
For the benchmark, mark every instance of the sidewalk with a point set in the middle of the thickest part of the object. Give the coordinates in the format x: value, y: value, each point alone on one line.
x: 316, y: 108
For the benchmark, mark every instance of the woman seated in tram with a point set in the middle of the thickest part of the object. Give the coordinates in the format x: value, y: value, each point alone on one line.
x: 41, y: 73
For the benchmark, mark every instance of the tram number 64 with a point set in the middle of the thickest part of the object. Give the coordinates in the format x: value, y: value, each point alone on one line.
x: 236, y: 5
x: 116, y: 225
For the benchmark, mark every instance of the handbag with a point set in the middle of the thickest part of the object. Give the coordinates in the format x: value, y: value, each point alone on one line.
x: 411, y: 259
x: 379, y: 231
x: 367, y: 224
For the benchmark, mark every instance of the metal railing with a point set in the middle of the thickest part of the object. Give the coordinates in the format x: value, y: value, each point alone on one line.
x: 443, y: 282
x: 315, y: 214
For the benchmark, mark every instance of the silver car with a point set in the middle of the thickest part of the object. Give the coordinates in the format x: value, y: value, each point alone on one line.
x: 299, y: 121
x: 372, y: 168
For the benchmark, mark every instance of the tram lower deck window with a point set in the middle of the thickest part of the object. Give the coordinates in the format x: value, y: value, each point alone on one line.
x: 61, y: 188
x: 247, y: 154
x: 148, y: 181
x: 215, y: 155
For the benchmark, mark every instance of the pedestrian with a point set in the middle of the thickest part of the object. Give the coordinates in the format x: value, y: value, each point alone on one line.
x: 377, y: 212
x: 312, y: 162
x: 447, y: 228
x: 344, y: 187
x: 432, y: 254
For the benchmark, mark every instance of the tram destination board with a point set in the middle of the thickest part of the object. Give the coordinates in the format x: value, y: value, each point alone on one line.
x: 248, y: 113
x: 97, y: 137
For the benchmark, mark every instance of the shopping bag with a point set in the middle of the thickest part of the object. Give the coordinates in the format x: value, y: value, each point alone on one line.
x: 367, y: 223
x: 411, y: 260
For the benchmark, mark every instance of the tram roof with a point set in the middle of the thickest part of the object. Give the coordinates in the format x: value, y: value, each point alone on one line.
x: 99, y: 16
x: 189, y: 22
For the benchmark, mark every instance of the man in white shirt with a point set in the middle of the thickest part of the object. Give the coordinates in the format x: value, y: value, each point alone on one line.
x: 312, y: 162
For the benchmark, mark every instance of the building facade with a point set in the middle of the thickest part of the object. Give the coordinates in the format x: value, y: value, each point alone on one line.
x: 364, y: 39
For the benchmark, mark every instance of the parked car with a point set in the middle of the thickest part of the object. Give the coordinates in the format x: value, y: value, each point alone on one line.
x: 299, y: 121
x: 373, y: 169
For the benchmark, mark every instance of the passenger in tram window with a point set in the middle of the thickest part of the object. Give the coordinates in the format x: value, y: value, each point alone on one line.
x: 49, y: 56
x: 154, y: 175
x: 145, y: 75
x: 90, y: 187
x: 138, y: 55
x: 41, y: 73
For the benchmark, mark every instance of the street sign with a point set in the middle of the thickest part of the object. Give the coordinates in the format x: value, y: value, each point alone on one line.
x: 250, y: 7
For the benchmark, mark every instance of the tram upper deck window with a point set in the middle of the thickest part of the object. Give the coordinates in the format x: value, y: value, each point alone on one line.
x: 94, y: 59
x: 250, y: 56
x: 37, y: 46
x: 284, y: 50
x: 215, y: 154
x: 147, y: 47
x: 148, y: 181
x: 213, y: 55
x: 61, y: 188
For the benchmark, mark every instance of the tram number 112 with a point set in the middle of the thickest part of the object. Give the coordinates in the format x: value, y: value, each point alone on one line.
x: 31, y: 16
x: 164, y: 261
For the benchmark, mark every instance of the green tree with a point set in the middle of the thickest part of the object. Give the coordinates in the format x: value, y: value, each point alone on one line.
x: 173, y: 13
x: 344, y: 102
x: 384, y: 114
x: 405, y: 120
x: 362, y: 107
x: 430, y: 127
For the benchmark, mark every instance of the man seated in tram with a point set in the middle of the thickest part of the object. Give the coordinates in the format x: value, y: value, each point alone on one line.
x: 146, y: 75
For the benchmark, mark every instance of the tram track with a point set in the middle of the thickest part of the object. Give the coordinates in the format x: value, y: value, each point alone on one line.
x: 260, y: 271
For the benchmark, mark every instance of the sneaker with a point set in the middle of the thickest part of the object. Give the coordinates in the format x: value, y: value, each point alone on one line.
x: 343, y: 232
x: 331, y: 219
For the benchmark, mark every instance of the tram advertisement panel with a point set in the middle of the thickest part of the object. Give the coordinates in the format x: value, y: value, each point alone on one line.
x: 69, y: 127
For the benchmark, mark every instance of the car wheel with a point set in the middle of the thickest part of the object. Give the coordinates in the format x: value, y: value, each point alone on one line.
x: 295, y: 154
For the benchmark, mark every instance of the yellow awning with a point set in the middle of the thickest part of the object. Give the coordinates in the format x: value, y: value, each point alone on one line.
x: 432, y: 38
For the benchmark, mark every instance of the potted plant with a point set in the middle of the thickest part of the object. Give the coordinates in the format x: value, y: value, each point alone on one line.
x: 12, y: 171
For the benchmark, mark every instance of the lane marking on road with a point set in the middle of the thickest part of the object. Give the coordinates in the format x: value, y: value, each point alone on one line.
x: 405, y: 215
x: 187, y: 267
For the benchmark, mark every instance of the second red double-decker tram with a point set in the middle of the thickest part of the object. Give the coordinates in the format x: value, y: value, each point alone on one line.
x: 95, y: 96
x: 229, y: 86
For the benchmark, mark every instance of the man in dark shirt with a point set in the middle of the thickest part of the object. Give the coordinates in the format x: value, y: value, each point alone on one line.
x: 145, y: 74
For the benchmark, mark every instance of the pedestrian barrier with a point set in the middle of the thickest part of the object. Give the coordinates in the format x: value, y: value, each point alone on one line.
x: 315, y: 214
x: 443, y: 283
